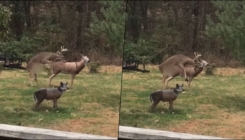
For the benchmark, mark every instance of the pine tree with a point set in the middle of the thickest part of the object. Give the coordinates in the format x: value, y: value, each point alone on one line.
x: 229, y: 26
x: 4, y: 22
x: 112, y: 25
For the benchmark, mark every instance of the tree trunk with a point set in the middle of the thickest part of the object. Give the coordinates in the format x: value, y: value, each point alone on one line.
x: 17, y: 20
x: 144, y: 7
x: 133, y: 21
x: 195, y: 13
x: 27, y: 8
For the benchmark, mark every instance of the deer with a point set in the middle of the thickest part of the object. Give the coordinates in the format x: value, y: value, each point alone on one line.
x: 177, y: 60
x: 36, y: 63
x: 191, y: 71
x: 50, y: 94
x: 72, y: 68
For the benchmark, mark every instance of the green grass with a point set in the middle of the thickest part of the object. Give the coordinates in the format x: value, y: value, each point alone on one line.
x: 204, y: 100
x: 92, y: 96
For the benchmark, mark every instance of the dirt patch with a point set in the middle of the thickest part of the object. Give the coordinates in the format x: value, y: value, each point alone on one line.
x: 227, y: 125
x: 105, y: 69
x: 111, y: 69
x: 106, y: 124
x: 229, y: 71
x: 11, y: 74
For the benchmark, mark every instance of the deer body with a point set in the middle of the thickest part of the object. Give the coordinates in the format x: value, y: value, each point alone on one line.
x: 191, y: 72
x: 176, y: 65
x: 179, y: 60
x: 165, y: 96
x: 72, y: 68
x: 36, y: 63
x: 49, y: 94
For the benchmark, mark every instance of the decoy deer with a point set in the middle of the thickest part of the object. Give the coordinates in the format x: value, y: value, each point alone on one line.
x: 72, y: 68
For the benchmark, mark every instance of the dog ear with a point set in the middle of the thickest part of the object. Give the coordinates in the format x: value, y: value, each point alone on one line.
x: 66, y: 83
x: 61, y: 83
x: 177, y: 85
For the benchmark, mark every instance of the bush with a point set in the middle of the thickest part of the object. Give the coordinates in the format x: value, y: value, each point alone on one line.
x: 94, y: 67
x: 1, y: 68
x: 210, y: 69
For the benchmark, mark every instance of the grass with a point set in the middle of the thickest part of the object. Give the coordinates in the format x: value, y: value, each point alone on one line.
x: 92, y: 99
x: 213, y: 105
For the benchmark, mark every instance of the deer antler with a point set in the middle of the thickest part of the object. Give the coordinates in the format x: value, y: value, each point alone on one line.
x: 197, y: 56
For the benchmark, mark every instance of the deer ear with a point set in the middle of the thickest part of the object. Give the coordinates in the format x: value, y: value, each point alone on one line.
x: 81, y: 53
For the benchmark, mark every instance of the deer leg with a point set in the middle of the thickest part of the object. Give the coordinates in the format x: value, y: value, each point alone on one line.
x: 171, y: 105
x: 72, y: 79
x: 183, y: 68
x: 55, y: 105
x: 50, y: 79
x: 164, y: 77
x: 35, y: 77
x: 189, y: 81
x: 30, y: 78
x: 167, y: 80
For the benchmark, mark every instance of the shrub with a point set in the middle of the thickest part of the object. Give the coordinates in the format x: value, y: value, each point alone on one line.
x: 210, y: 69
x: 94, y: 67
x: 1, y: 68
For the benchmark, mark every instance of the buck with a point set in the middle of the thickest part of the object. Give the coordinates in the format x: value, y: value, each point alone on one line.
x: 36, y: 63
x: 191, y: 71
x: 50, y: 94
x: 72, y: 68
x: 179, y: 60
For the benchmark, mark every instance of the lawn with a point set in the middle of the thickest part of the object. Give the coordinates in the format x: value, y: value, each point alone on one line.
x: 91, y: 106
x: 213, y: 105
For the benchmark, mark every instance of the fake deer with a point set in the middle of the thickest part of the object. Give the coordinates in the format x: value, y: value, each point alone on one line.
x: 72, y: 68
x: 169, y: 95
x: 36, y: 63
x: 50, y: 94
x: 191, y: 71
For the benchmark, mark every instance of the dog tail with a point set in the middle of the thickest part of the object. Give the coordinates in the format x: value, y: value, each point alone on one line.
x: 151, y: 98
x: 34, y: 96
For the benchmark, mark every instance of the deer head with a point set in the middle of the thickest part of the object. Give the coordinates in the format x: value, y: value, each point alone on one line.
x: 60, y: 56
x: 84, y: 57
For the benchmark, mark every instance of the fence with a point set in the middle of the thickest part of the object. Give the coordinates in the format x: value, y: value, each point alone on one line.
x: 13, y: 132
x: 20, y: 132
x: 141, y: 133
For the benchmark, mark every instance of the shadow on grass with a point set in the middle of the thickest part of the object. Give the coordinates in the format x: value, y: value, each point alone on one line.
x: 51, y: 109
x: 159, y: 117
x: 233, y: 103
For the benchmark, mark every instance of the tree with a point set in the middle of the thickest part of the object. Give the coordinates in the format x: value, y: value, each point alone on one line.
x: 111, y: 26
x: 4, y: 22
x: 229, y: 26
